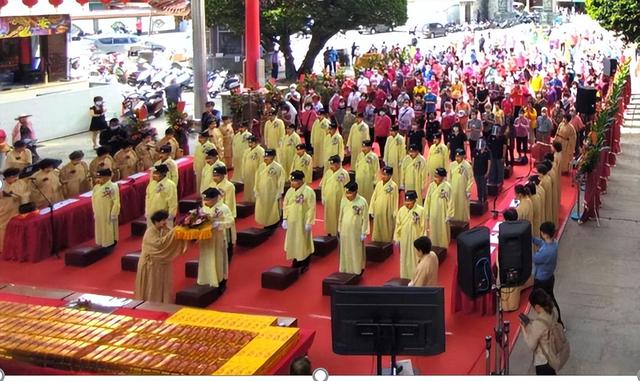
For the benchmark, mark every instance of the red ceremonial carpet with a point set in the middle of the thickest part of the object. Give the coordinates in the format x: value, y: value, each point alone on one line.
x: 465, y: 332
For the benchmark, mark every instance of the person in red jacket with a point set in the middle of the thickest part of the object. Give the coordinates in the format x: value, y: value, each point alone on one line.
x: 381, y: 127
x: 448, y: 119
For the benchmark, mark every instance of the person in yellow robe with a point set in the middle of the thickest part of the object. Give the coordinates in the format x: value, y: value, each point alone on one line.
x: 383, y: 207
x: 438, y: 157
x: 333, y: 144
x: 19, y: 157
x: 536, y: 208
x: 555, y: 159
x: 298, y: 218
x: 15, y: 192
x: 103, y: 160
x: 154, y: 278
x: 359, y: 133
x: 394, y: 152
x: 426, y: 273
x: 213, y: 263
x: 288, y: 152
x: 353, y: 225
x: 127, y: 161
x: 410, y: 224
x: 303, y: 162
x: 567, y: 136
x: 268, y: 189
x: 461, y: 176
x: 367, y: 170
x: 253, y: 158
x: 332, y: 189
x: 318, y: 134
x: 146, y: 151
x: 413, y: 172
x: 227, y: 140
x: 164, y: 158
x: 105, y: 202
x: 274, y: 132
x: 170, y: 140
x: 525, y: 206
x: 212, y: 160
x: 545, y: 182
x: 199, y: 155
x: 240, y: 145
x: 554, y: 175
x: 540, y: 194
x: 216, y: 137
x: 47, y: 181
x: 75, y: 176
x: 438, y: 208
x: 228, y: 195
x: 161, y: 194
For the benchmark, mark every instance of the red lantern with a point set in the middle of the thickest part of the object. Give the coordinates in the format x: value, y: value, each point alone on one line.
x: 3, y: 3
x: 29, y: 3
x: 105, y: 2
x: 55, y: 3
x: 82, y: 2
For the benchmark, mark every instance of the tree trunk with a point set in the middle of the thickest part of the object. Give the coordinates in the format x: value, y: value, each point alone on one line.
x: 318, y: 40
x: 289, y: 64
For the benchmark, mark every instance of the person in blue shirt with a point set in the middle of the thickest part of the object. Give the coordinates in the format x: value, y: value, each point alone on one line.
x: 545, y: 260
x: 430, y: 100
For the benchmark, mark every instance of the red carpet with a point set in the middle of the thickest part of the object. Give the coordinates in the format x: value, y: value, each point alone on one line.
x: 304, y: 300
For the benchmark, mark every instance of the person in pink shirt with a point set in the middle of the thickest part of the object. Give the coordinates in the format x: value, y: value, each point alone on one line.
x: 381, y: 128
x: 23, y: 129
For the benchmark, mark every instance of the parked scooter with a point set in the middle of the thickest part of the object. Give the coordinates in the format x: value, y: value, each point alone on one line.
x: 143, y: 104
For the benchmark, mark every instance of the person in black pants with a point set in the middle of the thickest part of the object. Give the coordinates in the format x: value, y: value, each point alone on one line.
x: 481, y: 166
x: 457, y: 138
x: 545, y: 260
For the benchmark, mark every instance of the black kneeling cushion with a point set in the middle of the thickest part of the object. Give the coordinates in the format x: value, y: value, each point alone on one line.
x: 245, y: 209
x: 317, y: 173
x: 138, y: 227
x: 191, y: 268
x: 197, y: 296
x: 397, y: 282
x: 252, y: 237
x: 129, y: 262
x: 478, y: 208
x: 323, y: 245
x: 494, y: 189
x: 318, y: 192
x: 279, y: 277
x: 378, y: 251
x: 339, y: 279
x: 238, y: 185
x: 458, y: 227
x: 85, y: 256
x: 187, y: 204
x: 441, y: 253
x: 508, y: 172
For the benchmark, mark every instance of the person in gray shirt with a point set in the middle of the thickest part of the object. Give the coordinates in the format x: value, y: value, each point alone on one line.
x: 544, y: 126
x: 475, y: 131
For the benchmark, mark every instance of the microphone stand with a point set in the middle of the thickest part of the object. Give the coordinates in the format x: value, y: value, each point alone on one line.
x: 53, y: 235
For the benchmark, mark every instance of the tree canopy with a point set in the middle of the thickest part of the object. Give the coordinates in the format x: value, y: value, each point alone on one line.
x: 622, y: 16
x: 280, y: 19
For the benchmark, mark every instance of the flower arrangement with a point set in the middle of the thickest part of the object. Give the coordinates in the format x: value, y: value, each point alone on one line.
x: 195, y: 218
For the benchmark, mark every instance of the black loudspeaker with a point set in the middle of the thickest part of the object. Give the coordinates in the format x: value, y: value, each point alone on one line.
x: 474, y: 262
x: 586, y: 100
x: 609, y: 66
x: 514, y: 252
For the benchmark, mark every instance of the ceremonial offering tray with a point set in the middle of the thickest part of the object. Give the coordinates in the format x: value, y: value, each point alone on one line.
x: 196, y: 225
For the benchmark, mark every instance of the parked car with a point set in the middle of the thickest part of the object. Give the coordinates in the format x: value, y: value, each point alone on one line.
x: 116, y: 43
x: 377, y: 28
x: 434, y: 29
x: 146, y: 45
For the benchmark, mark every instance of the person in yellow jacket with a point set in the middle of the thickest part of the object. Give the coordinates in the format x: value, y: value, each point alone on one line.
x: 161, y: 194
x: 105, y: 203
x: 353, y: 225
x: 146, y: 151
x: 413, y: 172
x: 384, y: 206
x: 46, y: 186
x: 367, y: 170
x: 239, y: 146
x: 543, y: 170
x: 228, y: 195
x: 461, y: 175
x: 288, y: 152
x: 19, y: 157
x: 103, y: 160
x: 15, y: 192
x: 318, y: 134
x: 410, y: 224
x: 302, y: 161
x: 333, y: 144
x: 164, y: 157
x: 298, y: 218
x: 199, y: 155
x: 332, y: 187
x: 438, y: 209
x: 75, y: 176
x: 127, y: 160
x: 253, y: 157
x: 268, y: 189
x: 394, y: 152
x: 274, y: 132
x: 438, y: 157
x: 211, y: 161
x: 359, y: 133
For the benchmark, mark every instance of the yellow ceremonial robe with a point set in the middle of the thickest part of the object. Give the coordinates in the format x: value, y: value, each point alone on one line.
x: 199, y: 160
x: 269, y: 186
x: 106, y: 162
x: 413, y: 174
x: 288, y: 152
x: 213, y: 264
x: 461, y: 176
x: 566, y: 135
x: 252, y: 160
x: 49, y: 185
x: 353, y: 222
x: 332, y: 186
x: 206, y: 177
x: 438, y: 209
x: 536, y: 211
x: 217, y: 139
x: 359, y: 132
x: 426, y: 274
x: 75, y: 179
x: 299, y: 210
x: 228, y: 194
x: 549, y: 196
x: 394, y: 153
x: 525, y: 210
x: 18, y: 159
x: 173, y: 143
x: 154, y: 278
x: 542, y: 195
x: 105, y: 201
x: 127, y: 163
x: 274, y: 134
x: 161, y: 195
x: 557, y: 184
x: 333, y: 145
x: 367, y: 169
x: 383, y: 207
x: 227, y: 140
x: 11, y: 197
x: 318, y: 134
x: 173, y: 169
x: 145, y: 152
x: 239, y: 147
x: 303, y: 163
x: 410, y: 224
x: 438, y: 158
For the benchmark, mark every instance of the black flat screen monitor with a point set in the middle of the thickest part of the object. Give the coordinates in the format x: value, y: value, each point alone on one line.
x: 387, y: 320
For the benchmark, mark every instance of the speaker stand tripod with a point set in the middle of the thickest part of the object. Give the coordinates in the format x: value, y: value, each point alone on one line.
x: 501, y: 336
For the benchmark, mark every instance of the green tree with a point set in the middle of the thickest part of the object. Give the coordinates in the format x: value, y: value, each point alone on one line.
x: 280, y: 19
x: 621, y: 16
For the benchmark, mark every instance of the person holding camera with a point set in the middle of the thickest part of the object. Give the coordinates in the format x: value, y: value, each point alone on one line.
x: 544, y: 261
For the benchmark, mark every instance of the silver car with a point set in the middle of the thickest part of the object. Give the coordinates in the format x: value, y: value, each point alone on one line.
x: 116, y: 43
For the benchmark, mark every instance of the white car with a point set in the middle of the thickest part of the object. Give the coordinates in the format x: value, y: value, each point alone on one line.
x: 115, y: 43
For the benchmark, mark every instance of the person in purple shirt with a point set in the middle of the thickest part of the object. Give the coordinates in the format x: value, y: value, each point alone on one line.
x: 545, y: 261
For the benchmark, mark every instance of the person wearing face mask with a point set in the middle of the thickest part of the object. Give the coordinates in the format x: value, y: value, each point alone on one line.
x: 348, y: 121
x: 298, y: 218
x: 381, y: 128
x: 75, y: 176
x: 293, y: 96
x: 339, y: 114
x: 438, y: 157
x: 268, y: 190
x: 318, y: 134
x: 353, y: 225
x: 391, y: 106
x: 105, y: 203
x: 410, y: 224
x: 457, y: 140
x: 308, y: 118
x: 439, y: 209
x: 414, y: 172
x: 113, y: 136
x: 161, y: 194
x: 98, y: 119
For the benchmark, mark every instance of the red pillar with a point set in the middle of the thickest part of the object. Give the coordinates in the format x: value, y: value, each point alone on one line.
x: 25, y: 51
x: 252, y: 43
